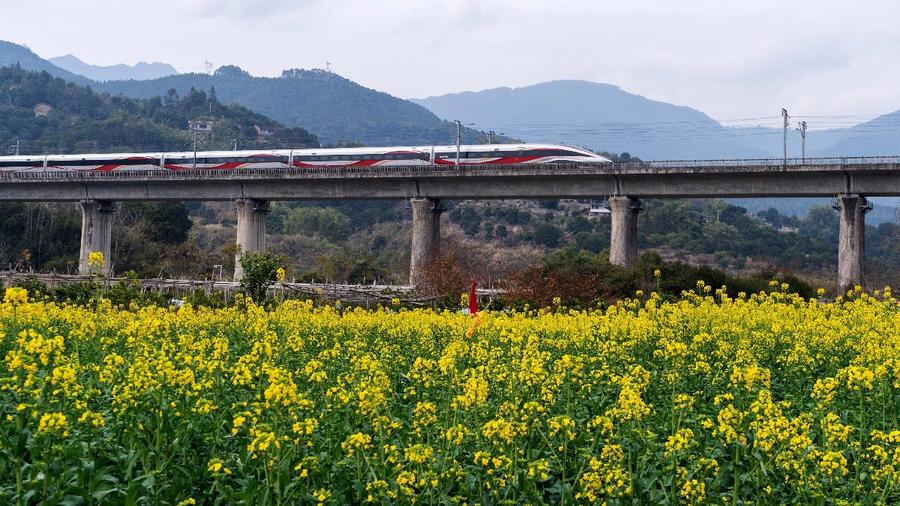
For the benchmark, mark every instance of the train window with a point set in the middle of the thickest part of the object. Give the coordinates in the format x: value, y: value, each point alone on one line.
x: 154, y: 161
x: 547, y: 152
x: 36, y: 163
x: 88, y: 163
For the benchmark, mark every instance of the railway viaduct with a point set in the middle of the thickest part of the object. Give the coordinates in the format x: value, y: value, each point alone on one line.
x: 848, y: 180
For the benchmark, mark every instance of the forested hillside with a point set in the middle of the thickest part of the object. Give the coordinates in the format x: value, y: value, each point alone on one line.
x: 701, y: 232
x: 49, y: 115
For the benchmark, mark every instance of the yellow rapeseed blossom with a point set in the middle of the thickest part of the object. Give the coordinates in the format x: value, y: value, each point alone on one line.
x: 16, y: 296
x: 96, y: 260
x: 357, y: 442
x: 693, y: 491
x: 53, y: 423
x: 679, y: 441
x: 650, y: 400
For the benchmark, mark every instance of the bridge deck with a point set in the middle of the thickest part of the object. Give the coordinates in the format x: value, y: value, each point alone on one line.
x: 873, y: 176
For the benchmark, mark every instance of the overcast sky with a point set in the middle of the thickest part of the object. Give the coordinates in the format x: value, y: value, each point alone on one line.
x: 731, y: 59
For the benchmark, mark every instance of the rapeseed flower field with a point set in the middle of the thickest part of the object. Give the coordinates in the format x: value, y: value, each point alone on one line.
x: 763, y: 398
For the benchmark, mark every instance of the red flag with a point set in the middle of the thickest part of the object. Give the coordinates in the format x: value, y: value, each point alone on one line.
x: 473, y: 300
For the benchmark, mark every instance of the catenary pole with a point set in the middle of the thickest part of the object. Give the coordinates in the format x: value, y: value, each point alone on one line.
x: 784, y: 114
x: 802, y: 127
x: 458, y: 138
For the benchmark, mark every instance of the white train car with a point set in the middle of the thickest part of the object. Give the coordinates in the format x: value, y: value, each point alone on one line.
x: 479, y: 154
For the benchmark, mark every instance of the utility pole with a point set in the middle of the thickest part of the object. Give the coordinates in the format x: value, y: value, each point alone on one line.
x: 234, y: 144
x: 802, y: 127
x: 784, y: 114
x: 458, y: 138
x: 17, y: 146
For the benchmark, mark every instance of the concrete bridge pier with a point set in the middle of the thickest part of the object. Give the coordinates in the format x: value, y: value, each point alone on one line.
x: 851, y: 240
x: 426, y: 236
x: 251, y: 230
x: 96, y: 233
x: 623, y: 235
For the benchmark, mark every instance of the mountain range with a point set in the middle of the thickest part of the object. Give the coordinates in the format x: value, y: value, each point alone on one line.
x: 337, y: 110
x: 139, y: 71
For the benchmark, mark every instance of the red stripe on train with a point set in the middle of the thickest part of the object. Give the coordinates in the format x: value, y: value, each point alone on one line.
x: 355, y: 163
x: 221, y: 166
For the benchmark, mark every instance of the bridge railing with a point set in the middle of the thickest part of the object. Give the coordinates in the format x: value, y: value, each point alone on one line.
x: 770, y: 162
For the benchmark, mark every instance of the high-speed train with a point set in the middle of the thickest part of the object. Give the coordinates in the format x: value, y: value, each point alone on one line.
x: 497, y: 154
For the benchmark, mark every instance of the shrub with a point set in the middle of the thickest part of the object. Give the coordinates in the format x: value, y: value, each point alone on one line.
x: 260, y: 272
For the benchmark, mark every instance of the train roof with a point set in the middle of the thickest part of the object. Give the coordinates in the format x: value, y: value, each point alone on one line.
x: 101, y: 156
x: 21, y: 158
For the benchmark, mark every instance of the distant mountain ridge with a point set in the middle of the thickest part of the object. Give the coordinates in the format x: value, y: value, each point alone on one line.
x: 595, y: 115
x: 140, y: 71
x: 14, y: 54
